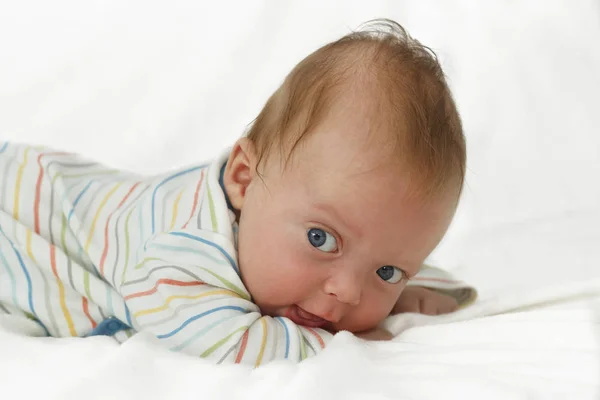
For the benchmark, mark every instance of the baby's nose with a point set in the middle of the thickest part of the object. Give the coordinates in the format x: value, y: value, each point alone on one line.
x: 347, y: 288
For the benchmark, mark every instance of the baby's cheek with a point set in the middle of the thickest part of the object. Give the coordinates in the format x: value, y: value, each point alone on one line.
x: 269, y: 274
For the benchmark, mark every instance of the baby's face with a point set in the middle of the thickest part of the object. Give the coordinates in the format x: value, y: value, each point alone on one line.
x: 332, y: 241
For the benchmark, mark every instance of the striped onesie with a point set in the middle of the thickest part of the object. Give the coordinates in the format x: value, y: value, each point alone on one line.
x: 89, y: 250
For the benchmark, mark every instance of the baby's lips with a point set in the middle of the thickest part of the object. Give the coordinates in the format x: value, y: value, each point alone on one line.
x: 309, y: 316
x: 304, y: 318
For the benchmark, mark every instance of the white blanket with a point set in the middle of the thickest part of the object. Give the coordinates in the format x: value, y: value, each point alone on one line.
x: 546, y: 352
x: 151, y: 86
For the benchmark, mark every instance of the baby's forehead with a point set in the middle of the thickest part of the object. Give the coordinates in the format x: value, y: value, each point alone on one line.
x: 351, y: 137
x: 345, y: 169
x: 342, y: 166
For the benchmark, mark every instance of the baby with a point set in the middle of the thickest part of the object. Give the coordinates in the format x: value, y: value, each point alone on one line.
x: 314, y: 222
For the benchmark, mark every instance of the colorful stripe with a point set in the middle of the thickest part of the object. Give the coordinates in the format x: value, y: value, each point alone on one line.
x: 211, y: 207
x: 16, y: 206
x: 27, y: 278
x: 196, y: 317
x: 11, y: 275
x: 38, y: 189
x: 175, y: 209
x: 216, y: 246
x: 315, y: 334
x: 118, y: 241
x: 162, y: 282
x: 61, y: 289
x: 183, y: 285
x: 196, y: 196
x: 243, y: 345
x: 86, y: 285
x: 162, y: 183
x: 78, y: 198
x: 46, y: 290
x: 287, y: 336
x: 97, y: 215
x: 200, y: 334
x: 86, y: 311
x: 105, y: 250
x: 170, y: 299
x: 127, y: 245
x: 263, y: 342
x: 223, y: 341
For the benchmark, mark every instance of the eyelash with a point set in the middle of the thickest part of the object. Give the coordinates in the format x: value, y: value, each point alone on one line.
x: 337, y: 237
x: 402, y: 275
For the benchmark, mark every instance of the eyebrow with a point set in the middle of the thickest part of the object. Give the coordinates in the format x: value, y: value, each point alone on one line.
x: 328, y: 209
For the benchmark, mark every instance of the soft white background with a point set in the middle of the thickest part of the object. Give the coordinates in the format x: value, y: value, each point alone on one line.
x: 149, y: 86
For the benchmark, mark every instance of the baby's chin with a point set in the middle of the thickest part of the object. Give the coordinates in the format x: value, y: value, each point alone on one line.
x: 354, y: 326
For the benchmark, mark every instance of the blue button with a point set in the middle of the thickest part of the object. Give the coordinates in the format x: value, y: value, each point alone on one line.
x: 108, y: 327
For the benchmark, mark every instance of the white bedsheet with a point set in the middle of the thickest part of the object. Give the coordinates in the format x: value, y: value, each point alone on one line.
x: 149, y: 87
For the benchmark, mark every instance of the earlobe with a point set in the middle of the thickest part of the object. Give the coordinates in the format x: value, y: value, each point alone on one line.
x: 240, y: 171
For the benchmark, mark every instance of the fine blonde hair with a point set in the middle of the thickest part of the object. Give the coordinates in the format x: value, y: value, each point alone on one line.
x: 414, y: 102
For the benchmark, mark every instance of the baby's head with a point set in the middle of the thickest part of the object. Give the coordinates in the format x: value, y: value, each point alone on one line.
x: 347, y: 180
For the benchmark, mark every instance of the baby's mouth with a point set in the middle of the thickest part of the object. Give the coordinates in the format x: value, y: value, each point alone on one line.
x: 302, y: 317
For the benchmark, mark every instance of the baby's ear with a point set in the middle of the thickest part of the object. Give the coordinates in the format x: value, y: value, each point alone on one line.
x: 240, y: 171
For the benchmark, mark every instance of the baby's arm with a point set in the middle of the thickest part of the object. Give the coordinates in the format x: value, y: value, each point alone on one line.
x: 434, y: 291
x: 186, y: 292
x: 415, y: 299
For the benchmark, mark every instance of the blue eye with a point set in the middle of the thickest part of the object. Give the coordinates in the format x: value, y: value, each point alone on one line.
x: 390, y: 274
x: 322, y: 240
